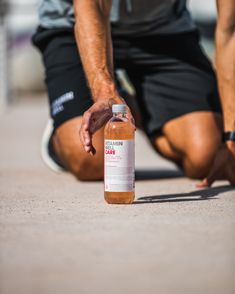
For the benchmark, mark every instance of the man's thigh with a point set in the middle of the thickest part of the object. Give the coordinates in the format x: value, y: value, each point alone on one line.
x: 69, y: 97
x: 172, y: 78
x: 194, y: 132
x: 68, y: 93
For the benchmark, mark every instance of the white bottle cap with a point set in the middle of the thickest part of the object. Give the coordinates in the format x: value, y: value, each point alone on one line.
x: 119, y: 108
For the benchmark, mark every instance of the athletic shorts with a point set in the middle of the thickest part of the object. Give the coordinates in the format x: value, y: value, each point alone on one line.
x: 171, y: 76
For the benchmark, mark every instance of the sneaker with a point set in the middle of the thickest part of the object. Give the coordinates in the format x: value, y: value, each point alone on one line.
x: 47, y: 151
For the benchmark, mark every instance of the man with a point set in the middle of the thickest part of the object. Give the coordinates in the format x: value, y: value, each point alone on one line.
x: 157, y: 44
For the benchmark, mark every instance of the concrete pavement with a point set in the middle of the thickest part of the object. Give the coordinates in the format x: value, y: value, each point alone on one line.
x: 58, y: 235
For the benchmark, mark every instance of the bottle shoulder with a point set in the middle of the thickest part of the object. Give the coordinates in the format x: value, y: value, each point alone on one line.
x: 119, y: 122
x: 120, y: 128
x: 118, y: 119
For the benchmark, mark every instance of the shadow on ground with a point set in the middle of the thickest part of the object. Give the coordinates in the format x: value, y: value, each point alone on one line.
x: 157, y: 174
x: 198, y: 195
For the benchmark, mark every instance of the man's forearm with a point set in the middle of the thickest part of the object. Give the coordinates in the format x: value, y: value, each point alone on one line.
x: 225, y: 60
x: 92, y: 30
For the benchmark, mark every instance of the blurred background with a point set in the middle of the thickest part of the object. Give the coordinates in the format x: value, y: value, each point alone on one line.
x: 21, y: 70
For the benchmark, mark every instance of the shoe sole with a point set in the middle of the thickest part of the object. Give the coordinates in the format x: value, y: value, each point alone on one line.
x: 47, y: 159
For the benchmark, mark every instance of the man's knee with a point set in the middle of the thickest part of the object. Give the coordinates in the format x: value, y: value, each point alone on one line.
x: 196, y: 137
x: 83, y: 166
x: 199, y: 158
x: 69, y: 149
x: 88, y: 169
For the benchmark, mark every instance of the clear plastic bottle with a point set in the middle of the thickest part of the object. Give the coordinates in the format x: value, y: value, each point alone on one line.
x: 119, y: 154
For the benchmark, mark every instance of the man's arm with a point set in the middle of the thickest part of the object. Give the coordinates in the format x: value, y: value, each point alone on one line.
x: 92, y: 31
x: 225, y: 60
x: 224, y: 162
x: 93, y: 36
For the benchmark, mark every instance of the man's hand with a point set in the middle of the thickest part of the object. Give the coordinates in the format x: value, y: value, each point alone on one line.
x: 95, y: 118
x: 93, y: 36
x: 223, y: 166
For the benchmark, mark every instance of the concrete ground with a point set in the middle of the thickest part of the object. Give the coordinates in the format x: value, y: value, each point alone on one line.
x: 59, y: 236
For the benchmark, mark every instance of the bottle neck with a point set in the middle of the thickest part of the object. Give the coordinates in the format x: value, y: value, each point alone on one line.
x: 119, y: 114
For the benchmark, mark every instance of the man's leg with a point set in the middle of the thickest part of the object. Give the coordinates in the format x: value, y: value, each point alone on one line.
x: 69, y: 98
x: 177, y: 92
x: 68, y: 148
x: 191, y: 141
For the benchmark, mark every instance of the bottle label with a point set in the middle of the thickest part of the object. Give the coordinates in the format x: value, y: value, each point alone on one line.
x: 119, y: 165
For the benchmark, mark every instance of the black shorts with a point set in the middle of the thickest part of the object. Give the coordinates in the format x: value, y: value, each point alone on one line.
x: 171, y: 76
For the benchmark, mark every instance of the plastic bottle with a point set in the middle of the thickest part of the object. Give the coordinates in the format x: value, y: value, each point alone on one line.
x: 119, y: 154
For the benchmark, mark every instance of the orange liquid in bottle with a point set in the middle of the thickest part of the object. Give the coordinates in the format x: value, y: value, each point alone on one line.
x: 119, y: 135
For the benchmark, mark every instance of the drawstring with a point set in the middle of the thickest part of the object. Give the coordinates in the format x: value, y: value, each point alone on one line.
x: 128, y: 6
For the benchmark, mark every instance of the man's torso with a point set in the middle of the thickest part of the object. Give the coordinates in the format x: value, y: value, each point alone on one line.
x: 128, y: 17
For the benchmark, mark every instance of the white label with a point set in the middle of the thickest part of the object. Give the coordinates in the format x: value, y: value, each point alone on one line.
x: 119, y: 165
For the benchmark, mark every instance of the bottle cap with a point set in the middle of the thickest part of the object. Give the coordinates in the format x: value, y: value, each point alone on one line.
x: 119, y: 108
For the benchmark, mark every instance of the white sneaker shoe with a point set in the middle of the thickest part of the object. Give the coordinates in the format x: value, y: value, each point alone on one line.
x: 48, y: 155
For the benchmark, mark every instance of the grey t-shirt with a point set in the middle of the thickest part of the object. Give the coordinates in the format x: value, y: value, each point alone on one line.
x: 128, y: 17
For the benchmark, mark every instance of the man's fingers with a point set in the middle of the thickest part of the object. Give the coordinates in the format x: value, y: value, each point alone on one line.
x: 87, y: 142
x: 81, y: 136
x: 131, y: 118
x: 213, y: 175
x: 204, y: 183
x: 92, y: 151
x: 85, y: 134
x: 216, y: 170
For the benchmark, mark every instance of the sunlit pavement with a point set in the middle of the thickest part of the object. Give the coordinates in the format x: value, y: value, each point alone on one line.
x: 59, y: 236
